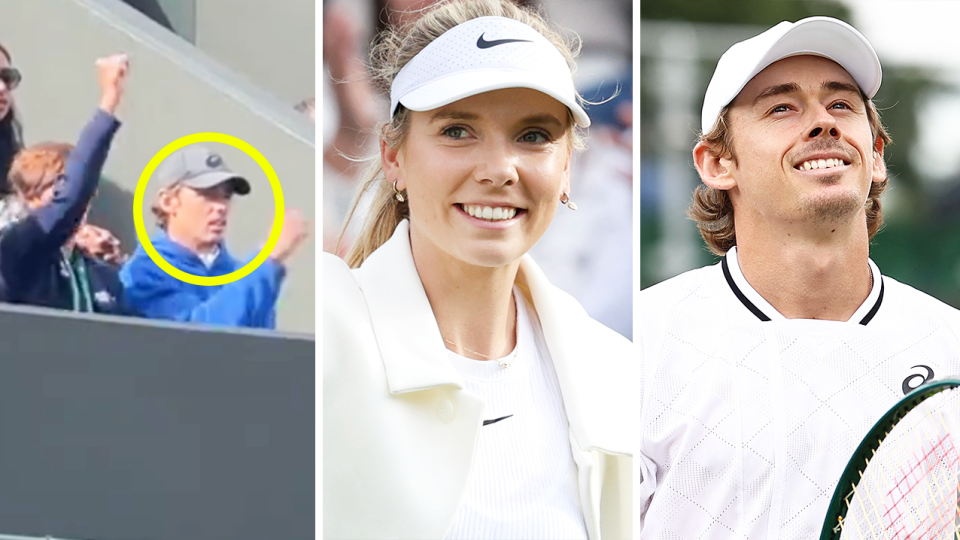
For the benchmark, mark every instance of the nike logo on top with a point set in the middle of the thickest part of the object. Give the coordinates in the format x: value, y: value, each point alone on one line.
x: 495, y: 420
x: 484, y: 44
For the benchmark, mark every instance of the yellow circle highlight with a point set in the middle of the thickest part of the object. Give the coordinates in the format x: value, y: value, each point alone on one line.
x: 277, y: 201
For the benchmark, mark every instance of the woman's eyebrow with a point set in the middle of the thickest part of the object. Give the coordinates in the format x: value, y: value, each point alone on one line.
x: 542, y: 119
x: 463, y: 115
x: 453, y: 115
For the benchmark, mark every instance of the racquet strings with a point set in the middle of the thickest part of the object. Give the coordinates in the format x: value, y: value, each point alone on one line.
x: 910, y: 488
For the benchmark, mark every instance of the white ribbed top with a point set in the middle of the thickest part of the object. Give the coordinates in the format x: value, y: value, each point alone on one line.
x: 523, y: 484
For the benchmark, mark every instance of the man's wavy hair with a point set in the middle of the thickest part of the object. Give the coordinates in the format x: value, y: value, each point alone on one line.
x: 38, y: 167
x: 712, y: 208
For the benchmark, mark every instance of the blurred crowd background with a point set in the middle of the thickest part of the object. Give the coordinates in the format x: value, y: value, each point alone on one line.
x: 919, y: 100
x: 588, y: 253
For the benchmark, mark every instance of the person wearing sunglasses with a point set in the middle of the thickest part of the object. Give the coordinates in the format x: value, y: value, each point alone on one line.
x: 11, y: 135
x: 53, y: 184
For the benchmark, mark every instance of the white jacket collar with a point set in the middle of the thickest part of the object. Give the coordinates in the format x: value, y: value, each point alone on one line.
x: 595, y: 365
x: 411, y: 346
x: 589, y: 361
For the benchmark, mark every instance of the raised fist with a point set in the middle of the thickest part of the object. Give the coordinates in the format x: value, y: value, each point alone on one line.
x: 294, y: 232
x: 112, y: 75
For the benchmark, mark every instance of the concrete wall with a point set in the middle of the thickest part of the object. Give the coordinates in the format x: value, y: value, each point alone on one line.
x: 116, y: 429
x: 174, y: 91
x: 272, y: 43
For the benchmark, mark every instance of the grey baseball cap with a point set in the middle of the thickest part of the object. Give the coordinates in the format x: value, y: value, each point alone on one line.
x: 199, y: 167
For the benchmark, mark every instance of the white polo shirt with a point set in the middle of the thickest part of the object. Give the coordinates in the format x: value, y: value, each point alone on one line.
x: 748, y: 418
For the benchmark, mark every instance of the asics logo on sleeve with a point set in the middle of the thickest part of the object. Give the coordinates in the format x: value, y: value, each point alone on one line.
x: 910, y: 383
x: 484, y: 44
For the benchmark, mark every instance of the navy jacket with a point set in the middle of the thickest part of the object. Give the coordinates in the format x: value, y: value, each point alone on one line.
x: 248, y: 302
x: 31, y: 267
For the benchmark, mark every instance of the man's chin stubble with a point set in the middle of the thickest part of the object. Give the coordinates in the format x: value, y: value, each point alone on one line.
x: 825, y: 209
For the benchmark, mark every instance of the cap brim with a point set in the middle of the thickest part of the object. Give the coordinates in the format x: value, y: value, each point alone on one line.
x: 832, y: 39
x: 446, y: 90
x: 816, y: 36
x: 209, y: 180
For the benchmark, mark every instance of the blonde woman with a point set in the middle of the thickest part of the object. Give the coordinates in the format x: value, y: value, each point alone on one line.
x: 464, y: 395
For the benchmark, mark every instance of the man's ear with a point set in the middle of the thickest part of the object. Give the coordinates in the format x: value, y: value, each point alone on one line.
x: 392, y: 159
x: 879, y: 167
x: 715, y: 170
x: 167, y: 199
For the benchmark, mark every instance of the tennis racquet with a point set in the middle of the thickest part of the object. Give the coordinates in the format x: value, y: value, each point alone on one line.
x: 903, y: 481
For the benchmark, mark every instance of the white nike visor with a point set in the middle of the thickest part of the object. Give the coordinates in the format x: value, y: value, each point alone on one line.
x: 480, y: 55
x: 818, y: 36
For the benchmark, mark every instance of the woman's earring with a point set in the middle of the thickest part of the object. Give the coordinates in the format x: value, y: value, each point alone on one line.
x: 397, y: 193
x: 565, y: 199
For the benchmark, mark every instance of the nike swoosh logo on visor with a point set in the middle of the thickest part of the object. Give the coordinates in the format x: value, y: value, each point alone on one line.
x: 484, y: 44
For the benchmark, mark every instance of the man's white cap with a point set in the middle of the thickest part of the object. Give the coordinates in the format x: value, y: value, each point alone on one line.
x: 818, y: 36
x: 480, y: 55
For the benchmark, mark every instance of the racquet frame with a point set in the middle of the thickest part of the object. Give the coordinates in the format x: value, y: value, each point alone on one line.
x: 860, y: 459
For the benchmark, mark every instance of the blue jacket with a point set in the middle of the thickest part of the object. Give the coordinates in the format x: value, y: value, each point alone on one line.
x: 247, y: 302
x: 33, y: 269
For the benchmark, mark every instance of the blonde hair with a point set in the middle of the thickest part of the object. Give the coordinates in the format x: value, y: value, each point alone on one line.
x: 712, y: 208
x: 158, y: 212
x: 393, y: 49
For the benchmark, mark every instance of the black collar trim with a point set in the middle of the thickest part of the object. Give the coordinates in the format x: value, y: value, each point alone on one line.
x: 876, y: 307
x: 740, y: 296
x: 763, y: 316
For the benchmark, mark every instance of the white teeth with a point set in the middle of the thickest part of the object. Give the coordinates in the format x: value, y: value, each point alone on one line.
x: 489, y: 213
x: 820, y: 164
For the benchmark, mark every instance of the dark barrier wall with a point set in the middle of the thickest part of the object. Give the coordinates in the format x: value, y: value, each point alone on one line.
x: 112, y: 430
x: 174, y: 90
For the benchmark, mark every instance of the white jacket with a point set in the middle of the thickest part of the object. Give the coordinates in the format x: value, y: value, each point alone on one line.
x: 399, y: 431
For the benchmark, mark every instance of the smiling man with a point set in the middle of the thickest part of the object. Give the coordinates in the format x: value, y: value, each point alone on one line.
x: 762, y: 373
x: 192, y: 210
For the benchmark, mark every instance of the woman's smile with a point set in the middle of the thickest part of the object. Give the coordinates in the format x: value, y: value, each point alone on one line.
x: 491, y: 216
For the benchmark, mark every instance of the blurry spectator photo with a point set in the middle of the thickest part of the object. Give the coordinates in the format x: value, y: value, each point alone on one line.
x: 140, y: 405
x: 192, y: 211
